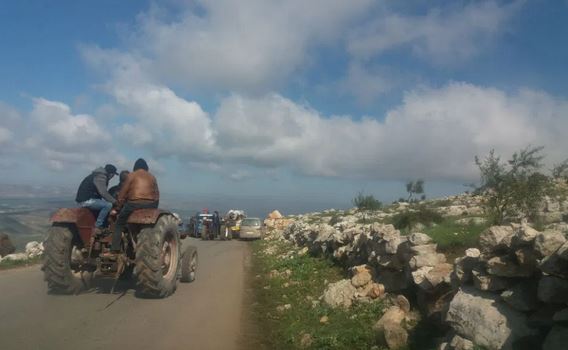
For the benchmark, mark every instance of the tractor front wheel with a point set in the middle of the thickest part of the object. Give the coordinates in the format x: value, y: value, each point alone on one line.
x: 189, y: 264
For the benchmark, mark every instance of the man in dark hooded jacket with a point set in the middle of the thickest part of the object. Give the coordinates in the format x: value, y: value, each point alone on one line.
x: 93, y: 194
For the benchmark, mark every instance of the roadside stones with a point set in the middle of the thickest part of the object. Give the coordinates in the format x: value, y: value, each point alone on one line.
x: 306, y: 341
x: 479, y: 317
x: 361, y: 275
x: 505, y: 267
x: 548, y: 242
x: 15, y: 257
x: 522, y: 296
x: 557, y: 339
x: 392, y: 328
x: 517, y: 277
x: 34, y: 249
x: 553, y: 290
x: 6, y: 246
x: 487, y: 282
x: 495, y: 237
x: 419, y: 239
x: 339, y: 294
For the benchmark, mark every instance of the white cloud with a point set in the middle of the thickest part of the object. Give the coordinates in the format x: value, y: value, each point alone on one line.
x: 172, y: 125
x: 10, y: 122
x: 241, y: 45
x: 61, y: 139
x: 434, y: 134
x: 443, y: 35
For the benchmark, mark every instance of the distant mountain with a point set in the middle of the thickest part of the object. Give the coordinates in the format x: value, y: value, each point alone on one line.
x: 31, y: 191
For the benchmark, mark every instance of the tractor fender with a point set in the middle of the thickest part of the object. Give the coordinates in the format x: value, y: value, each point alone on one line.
x: 146, y: 216
x: 82, y: 219
x: 73, y: 216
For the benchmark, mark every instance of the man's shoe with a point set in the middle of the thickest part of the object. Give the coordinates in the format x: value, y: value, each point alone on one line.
x: 99, y: 231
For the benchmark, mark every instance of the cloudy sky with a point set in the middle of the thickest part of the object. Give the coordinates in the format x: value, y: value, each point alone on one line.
x: 304, y: 99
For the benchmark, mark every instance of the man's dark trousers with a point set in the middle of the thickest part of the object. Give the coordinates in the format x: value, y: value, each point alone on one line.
x: 122, y: 218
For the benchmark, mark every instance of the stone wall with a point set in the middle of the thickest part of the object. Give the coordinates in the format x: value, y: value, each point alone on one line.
x: 510, y: 292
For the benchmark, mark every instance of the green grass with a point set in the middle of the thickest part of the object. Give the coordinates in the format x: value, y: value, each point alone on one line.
x: 346, y: 329
x: 452, y: 237
x: 9, y: 264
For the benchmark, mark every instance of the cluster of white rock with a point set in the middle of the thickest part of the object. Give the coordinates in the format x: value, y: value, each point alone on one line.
x: 513, y: 289
x: 33, y: 250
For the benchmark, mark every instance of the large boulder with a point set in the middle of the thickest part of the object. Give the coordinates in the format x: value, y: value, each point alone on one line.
x: 557, y: 339
x: 362, y: 275
x: 522, y: 296
x: 553, y: 290
x: 482, y: 318
x: 6, y: 246
x: 495, y: 238
x: 340, y: 294
x: 389, y: 330
x: 34, y: 249
x: 548, y: 242
x: 505, y: 267
x: 15, y: 257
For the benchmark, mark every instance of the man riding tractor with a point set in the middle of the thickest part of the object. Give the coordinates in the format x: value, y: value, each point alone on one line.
x: 146, y: 240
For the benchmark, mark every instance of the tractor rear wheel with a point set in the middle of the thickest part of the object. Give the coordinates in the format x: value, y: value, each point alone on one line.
x: 189, y: 264
x: 158, y: 258
x: 57, y: 262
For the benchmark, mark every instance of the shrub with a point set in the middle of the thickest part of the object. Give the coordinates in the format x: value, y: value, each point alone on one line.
x: 513, y: 188
x: 414, y: 187
x: 366, y: 202
x: 422, y: 215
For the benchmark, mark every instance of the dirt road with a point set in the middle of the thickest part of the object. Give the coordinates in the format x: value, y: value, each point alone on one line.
x: 204, y: 314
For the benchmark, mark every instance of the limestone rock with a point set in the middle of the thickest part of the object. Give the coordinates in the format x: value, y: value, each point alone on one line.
x: 306, y: 341
x: 494, y: 238
x: 563, y: 251
x: 485, y: 282
x: 561, y: 316
x: 15, y: 257
x: 553, y: 290
x: 459, y: 343
x: 522, y: 296
x: 376, y: 291
x: 557, y: 339
x: 419, y: 239
x: 428, y: 277
x: 393, y: 280
x: 548, y: 242
x: 275, y: 215
x: 34, y: 249
x: 340, y: 293
x: 505, y: 267
x: 554, y: 265
x: 361, y: 276
x: 6, y: 246
x: 479, y: 316
x: 389, y: 329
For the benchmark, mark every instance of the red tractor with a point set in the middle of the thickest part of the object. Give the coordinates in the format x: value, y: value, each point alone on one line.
x: 151, y: 248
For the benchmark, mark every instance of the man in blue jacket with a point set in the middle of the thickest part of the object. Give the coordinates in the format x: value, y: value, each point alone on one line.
x: 93, y: 193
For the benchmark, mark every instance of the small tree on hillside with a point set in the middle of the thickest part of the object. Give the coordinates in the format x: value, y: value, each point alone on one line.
x: 366, y: 202
x: 515, y: 187
x: 414, y: 187
x: 560, y: 171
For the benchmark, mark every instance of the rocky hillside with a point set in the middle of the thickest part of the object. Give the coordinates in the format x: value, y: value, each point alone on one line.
x: 509, y: 290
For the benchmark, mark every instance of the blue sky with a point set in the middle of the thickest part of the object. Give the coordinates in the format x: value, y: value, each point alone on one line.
x: 285, y: 98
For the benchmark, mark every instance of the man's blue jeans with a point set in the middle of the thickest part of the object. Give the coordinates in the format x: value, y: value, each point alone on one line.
x: 98, y: 204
